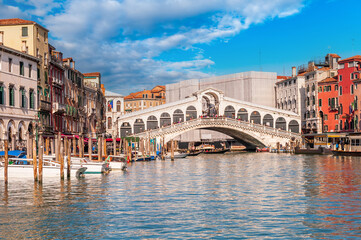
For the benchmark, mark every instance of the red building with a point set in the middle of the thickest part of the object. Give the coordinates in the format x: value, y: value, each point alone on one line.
x: 347, y: 72
x: 327, y: 104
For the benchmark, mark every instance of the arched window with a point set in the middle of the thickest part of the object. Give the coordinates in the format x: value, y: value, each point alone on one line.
x: 178, y: 116
x: 191, y: 113
x: 281, y: 123
x: 268, y: 120
x: 229, y: 112
x: 255, y: 117
x: 242, y: 115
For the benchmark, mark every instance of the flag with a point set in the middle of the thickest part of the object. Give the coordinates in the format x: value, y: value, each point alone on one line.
x: 110, y: 104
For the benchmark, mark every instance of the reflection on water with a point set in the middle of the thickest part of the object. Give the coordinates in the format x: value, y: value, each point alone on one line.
x: 222, y: 196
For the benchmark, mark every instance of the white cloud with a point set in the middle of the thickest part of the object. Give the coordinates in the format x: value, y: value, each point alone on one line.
x: 7, y: 11
x: 123, y: 38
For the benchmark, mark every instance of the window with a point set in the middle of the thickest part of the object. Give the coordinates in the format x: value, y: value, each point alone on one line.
x: 22, y: 91
x: 336, y: 116
x: 2, y: 95
x: 313, y: 87
x: 336, y: 87
x: 109, y: 122
x: 12, y: 96
x: 320, y: 102
x: 351, y: 64
x: 10, y: 64
x: 352, y: 89
x: 340, y: 90
x: 319, y: 89
x: 118, y: 106
x: 341, y: 66
x: 30, y: 69
x: 24, y: 31
x: 325, y: 117
x: 313, y: 100
x: 308, y: 101
x: 31, y: 97
x: 308, y: 88
x: 21, y: 68
x: 336, y: 127
x: 38, y: 73
x: 340, y: 78
x: 1, y: 37
x: 340, y: 110
x: 326, y: 128
x: 352, y: 76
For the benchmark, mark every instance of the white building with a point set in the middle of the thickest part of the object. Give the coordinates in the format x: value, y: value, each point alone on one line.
x: 290, y: 93
x: 114, y: 109
x: 18, y: 96
x: 253, y: 87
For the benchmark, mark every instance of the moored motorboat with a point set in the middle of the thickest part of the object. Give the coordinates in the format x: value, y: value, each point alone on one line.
x: 346, y: 153
x: 215, y: 151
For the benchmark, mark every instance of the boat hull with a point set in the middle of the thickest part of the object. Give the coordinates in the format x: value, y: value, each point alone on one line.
x: 346, y: 153
x: 216, y: 151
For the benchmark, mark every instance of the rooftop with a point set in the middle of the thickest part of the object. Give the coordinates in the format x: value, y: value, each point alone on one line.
x: 112, y: 94
x: 354, y: 58
x: 329, y: 80
x: 93, y: 74
x: 18, y: 21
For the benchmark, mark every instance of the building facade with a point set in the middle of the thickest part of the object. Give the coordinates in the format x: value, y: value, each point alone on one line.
x: 328, y: 104
x: 145, y: 99
x: 32, y: 38
x: 348, y: 71
x: 114, y: 109
x: 18, y: 97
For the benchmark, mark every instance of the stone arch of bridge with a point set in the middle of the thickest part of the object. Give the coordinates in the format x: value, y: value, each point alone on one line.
x: 248, y: 139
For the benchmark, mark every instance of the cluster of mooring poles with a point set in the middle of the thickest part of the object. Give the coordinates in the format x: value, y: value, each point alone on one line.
x: 64, y: 147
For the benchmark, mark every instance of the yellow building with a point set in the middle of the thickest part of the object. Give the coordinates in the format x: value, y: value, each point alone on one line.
x: 31, y: 38
x: 144, y: 99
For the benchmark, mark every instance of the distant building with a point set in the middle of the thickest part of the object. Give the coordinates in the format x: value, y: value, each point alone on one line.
x: 145, y: 99
x: 18, y: 97
x: 114, y: 109
x: 254, y: 87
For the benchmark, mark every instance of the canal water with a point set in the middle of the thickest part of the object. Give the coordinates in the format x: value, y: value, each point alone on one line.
x: 235, y: 196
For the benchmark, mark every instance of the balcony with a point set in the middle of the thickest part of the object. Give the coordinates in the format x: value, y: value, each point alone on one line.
x: 45, y: 106
x: 59, y: 108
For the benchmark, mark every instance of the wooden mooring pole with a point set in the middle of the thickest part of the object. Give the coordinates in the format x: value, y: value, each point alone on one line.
x: 172, y: 151
x: 6, y: 143
x: 69, y: 158
x: 35, y: 161
x: 41, y: 152
x: 61, y: 157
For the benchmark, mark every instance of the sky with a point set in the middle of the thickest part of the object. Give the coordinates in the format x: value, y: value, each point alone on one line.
x: 138, y: 44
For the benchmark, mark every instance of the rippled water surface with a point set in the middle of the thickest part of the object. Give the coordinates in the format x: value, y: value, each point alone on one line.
x: 243, y: 196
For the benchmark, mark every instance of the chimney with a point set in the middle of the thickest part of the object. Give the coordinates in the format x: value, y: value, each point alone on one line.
x: 294, y: 72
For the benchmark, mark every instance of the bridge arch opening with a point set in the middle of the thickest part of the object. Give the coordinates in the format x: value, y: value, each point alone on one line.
x: 293, y: 126
x: 255, y: 117
x: 230, y: 112
x: 152, y: 122
x: 178, y: 116
x: 165, y: 119
x: 268, y: 120
x: 281, y: 123
x: 210, y: 104
x: 191, y: 113
x: 242, y: 115
x: 139, y: 126
x: 125, y: 129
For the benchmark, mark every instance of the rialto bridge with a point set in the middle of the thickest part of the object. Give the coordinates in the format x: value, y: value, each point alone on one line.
x: 251, y: 124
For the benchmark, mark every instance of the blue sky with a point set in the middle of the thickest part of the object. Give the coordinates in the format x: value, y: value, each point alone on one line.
x: 137, y: 44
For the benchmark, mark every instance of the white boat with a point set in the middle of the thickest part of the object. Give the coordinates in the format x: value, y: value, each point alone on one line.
x: 26, y: 171
x: 177, y: 155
